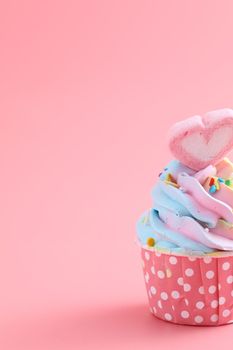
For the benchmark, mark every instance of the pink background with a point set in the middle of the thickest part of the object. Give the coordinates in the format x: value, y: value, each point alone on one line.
x: 88, y: 90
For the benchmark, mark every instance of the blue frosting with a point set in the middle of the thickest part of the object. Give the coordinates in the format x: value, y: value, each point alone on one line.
x: 170, y: 198
x: 181, y: 203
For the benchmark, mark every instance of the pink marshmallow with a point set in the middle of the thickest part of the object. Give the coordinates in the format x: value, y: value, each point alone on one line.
x: 201, y: 141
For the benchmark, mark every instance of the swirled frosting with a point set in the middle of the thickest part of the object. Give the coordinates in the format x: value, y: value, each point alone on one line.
x: 191, y: 211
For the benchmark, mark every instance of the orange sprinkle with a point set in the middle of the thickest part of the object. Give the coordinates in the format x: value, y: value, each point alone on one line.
x: 150, y: 242
x: 170, y: 178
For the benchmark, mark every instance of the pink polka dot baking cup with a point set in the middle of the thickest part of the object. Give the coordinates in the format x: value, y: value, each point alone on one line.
x: 189, y: 290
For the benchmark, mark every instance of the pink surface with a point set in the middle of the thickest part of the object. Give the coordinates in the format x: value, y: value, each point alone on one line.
x: 188, y: 290
x: 88, y: 90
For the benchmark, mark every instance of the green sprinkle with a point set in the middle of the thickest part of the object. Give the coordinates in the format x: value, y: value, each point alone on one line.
x: 228, y: 182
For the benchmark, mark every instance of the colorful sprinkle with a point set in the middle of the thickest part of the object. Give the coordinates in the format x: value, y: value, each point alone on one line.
x: 214, y: 254
x: 214, y: 184
x: 150, y: 242
x: 228, y: 182
x: 169, y: 180
x: 169, y: 177
x: 171, y: 183
x: 217, y: 185
x: 213, y: 189
x: 145, y: 219
x: 211, y: 183
x: 220, y: 179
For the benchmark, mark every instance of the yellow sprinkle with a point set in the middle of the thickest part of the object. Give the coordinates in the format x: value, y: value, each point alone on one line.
x: 169, y: 177
x: 214, y: 254
x: 168, y: 273
x: 216, y: 183
x: 171, y: 183
x: 145, y: 219
x: 150, y: 242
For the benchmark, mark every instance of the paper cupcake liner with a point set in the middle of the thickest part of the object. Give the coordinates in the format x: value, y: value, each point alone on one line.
x: 189, y: 290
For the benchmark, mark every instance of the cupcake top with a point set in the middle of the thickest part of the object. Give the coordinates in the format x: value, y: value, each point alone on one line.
x: 193, y: 198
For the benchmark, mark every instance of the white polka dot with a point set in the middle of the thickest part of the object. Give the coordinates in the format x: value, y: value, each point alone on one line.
x: 151, y: 310
x: 147, y: 256
x: 147, y: 277
x: 198, y: 319
x: 221, y: 300
x: 214, y: 318
x: 225, y: 266
x: 186, y: 302
x: 180, y: 281
x: 209, y: 274
x: 192, y: 259
x: 185, y: 314
x: 158, y: 254
x: 161, y: 274
x: 153, y: 270
x: 230, y: 279
x: 189, y: 272
x: 164, y: 296
x: 187, y: 287
x: 168, y: 317
x: 153, y: 290
x: 200, y: 305
x: 159, y: 304
x: 154, y: 310
x: 226, y: 313
x: 212, y: 289
x: 175, y: 294
x: 173, y: 260
x: 201, y: 290
x: 207, y: 260
x: 214, y: 304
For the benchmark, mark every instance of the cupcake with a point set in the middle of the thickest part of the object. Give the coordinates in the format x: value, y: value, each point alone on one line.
x: 186, y: 237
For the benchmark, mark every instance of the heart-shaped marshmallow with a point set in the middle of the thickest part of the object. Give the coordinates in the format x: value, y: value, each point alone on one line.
x: 201, y: 141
